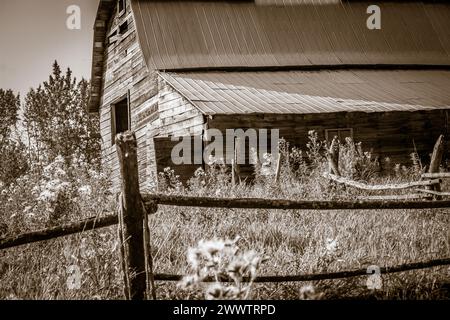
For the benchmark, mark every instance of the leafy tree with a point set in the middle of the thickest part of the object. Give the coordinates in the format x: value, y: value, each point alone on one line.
x: 9, y: 107
x: 57, y: 121
x: 13, y: 160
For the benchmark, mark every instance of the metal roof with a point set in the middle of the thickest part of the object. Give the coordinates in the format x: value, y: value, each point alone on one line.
x: 304, y: 92
x: 177, y: 35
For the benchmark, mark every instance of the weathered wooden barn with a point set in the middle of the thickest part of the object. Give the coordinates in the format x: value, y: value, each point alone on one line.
x: 177, y: 68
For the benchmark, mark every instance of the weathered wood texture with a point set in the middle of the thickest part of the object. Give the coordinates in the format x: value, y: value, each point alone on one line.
x: 131, y: 214
x: 435, y: 193
x: 104, y: 12
x: 441, y: 175
x: 177, y: 118
x: 158, y: 110
x: 59, y: 231
x: 410, y: 196
x: 322, y: 276
x: 252, y: 203
x: 393, y: 135
x: 387, y: 135
x: 435, y: 162
x: 368, y: 187
x: 249, y: 203
x: 124, y: 69
x: 333, y: 157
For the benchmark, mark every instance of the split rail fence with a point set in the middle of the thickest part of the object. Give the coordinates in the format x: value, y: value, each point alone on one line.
x: 134, y: 208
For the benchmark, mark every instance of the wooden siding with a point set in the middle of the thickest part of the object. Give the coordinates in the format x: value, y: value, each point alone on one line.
x: 159, y: 110
x: 177, y: 118
x: 389, y: 134
x: 386, y: 134
x: 125, y: 69
x: 98, y: 51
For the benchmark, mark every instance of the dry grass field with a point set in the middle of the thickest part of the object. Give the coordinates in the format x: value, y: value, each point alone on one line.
x: 294, y: 241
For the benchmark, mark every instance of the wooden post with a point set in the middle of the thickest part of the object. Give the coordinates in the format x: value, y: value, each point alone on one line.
x: 436, y: 158
x: 132, y: 215
x: 278, y: 168
x: 333, y: 157
x: 150, y: 277
x: 233, y: 172
x: 237, y: 170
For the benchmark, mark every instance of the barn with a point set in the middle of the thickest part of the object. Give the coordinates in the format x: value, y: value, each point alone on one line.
x: 168, y: 69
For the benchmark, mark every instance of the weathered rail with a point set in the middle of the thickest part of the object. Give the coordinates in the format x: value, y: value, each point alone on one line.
x: 381, y: 187
x: 325, y: 275
x: 134, y: 206
x: 150, y: 200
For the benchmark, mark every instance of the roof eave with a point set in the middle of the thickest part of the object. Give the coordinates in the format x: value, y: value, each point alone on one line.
x: 104, y: 13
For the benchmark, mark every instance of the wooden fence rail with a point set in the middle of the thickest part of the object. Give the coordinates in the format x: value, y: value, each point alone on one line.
x: 381, y: 187
x: 134, y: 206
x: 256, y: 203
x: 436, y: 175
x: 151, y: 201
x: 325, y: 275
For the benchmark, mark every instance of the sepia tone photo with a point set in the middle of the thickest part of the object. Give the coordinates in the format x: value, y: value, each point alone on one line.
x: 257, y: 150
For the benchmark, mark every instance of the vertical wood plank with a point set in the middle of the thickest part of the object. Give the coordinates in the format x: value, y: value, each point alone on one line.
x: 133, y: 214
x: 333, y: 157
x: 435, y: 163
x: 237, y: 168
x: 278, y: 169
x: 150, y: 277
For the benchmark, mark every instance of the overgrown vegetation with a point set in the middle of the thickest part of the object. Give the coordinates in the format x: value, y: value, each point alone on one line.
x: 50, y: 174
x: 295, y: 242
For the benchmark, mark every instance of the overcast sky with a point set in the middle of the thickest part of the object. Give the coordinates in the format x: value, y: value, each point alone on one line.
x: 33, y: 34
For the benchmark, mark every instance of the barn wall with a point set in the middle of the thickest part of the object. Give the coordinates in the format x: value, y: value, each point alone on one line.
x: 125, y: 69
x: 177, y: 118
x: 390, y: 134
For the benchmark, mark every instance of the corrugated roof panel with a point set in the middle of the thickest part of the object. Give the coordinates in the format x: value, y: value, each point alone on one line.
x: 189, y: 34
x: 306, y: 92
x: 438, y: 15
x: 311, y: 34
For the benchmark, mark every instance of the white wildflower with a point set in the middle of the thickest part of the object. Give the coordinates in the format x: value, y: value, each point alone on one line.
x: 85, y: 190
x: 307, y: 292
x: 27, y: 209
x: 331, y: 245
x: 188, y: 281
x: 214, y: 292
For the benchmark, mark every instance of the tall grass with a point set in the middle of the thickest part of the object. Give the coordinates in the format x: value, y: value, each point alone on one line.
x: 295, y: 241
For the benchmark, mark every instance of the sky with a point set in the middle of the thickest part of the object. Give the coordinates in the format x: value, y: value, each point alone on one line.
x: 33, y: 33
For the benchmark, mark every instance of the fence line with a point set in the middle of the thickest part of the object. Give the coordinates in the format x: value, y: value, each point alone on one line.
x: 436, y: 193
x: 322, y: 276
x: 436, y: 175
x: 244, y: 203
x: 257, y: 203
x: 59, y: 231
x: 136, y: 206
x: 381, y: 187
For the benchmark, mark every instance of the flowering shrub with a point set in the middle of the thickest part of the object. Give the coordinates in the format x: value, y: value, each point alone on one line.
x: 52, y: 194
x: 222, y: 259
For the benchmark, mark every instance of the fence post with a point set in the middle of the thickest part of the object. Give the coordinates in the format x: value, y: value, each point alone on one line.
x: 150, y: 277
x: 333, y: 157
x: 278, y: 167
x: 436, y: 158
x: 236, y: 176
x: 132, y: 215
